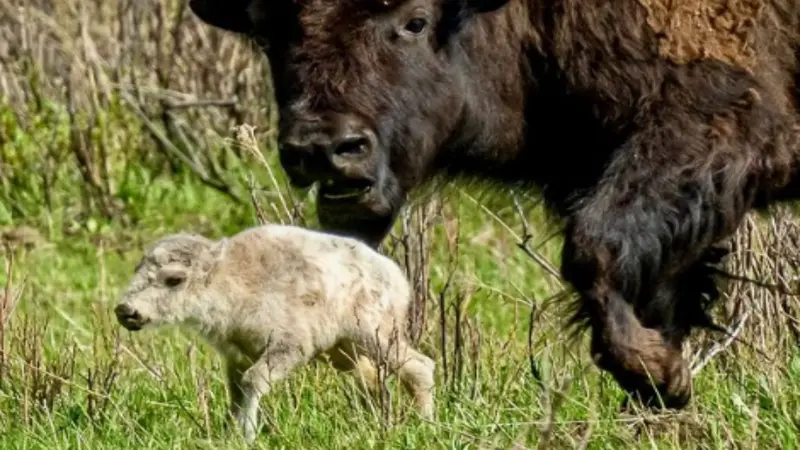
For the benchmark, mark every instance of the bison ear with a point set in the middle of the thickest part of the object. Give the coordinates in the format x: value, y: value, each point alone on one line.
x: 481, y: 6
x: 229, y: 15
x: 456, y: 12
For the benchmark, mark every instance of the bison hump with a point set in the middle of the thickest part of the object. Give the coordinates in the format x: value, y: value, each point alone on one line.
x: 724, y: 30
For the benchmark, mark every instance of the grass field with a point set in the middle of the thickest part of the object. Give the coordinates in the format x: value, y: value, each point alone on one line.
x: 122, y: 121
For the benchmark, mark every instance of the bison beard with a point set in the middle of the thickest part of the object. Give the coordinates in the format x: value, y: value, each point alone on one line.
x: 680, y: 133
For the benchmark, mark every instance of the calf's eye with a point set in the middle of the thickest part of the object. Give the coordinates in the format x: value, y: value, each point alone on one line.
x: 173, y: 281
x: 416, y: 25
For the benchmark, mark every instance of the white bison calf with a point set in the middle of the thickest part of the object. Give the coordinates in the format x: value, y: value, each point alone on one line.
x: 274, y: 297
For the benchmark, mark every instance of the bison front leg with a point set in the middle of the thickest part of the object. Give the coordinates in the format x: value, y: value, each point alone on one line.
x: 635, y: 247
x: 640, y: 342
x: 640, y: 359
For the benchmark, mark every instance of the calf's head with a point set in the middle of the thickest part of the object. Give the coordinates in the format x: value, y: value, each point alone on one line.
x: 368, y: 91
x: 167, y: 280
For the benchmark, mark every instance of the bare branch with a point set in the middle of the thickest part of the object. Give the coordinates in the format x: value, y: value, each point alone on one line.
x: 201, y: 104
x: 720, y: 346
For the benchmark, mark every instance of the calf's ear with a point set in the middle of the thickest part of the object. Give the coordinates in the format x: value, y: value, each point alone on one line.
x: 229, y: 15
x: 215, y: 253
x: 160, y: 256
x: 219, y: 248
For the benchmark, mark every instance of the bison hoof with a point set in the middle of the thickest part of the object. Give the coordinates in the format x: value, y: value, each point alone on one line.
x: 649, y: 369
x: 657, y: 399
x: 671, y: 390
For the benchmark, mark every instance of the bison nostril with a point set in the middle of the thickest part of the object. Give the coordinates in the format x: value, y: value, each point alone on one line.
x: 352, y: 146
x: 290, y: 155
x: 290, y: 160
x: 293, y: 159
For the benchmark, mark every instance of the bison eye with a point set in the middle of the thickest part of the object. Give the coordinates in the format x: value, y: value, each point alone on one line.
x: 416, y: 25
x: 173, y: 281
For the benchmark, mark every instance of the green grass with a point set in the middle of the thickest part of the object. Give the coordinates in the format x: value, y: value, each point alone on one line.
x: 71, y: 378
x: 74, y: 379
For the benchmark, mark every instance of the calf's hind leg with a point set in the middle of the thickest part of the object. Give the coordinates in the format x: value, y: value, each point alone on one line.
x: 415, y: 370
x: 346, y: 358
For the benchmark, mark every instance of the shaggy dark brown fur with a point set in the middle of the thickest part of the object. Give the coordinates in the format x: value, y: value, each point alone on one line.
x: 650, y: 126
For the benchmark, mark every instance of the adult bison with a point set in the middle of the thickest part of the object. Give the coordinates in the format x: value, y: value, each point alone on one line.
x: 650, y: 126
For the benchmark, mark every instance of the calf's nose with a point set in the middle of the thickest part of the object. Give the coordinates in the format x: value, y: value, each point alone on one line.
x: 126, y: 312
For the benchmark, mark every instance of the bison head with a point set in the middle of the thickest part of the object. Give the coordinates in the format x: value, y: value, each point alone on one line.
x: 369, y: 91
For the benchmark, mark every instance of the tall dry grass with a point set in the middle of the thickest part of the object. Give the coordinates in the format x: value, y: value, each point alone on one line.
x: 183, y: 84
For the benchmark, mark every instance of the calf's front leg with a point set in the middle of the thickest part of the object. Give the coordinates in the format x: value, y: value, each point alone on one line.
x: 249, y: 385
x: 233, y: 371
